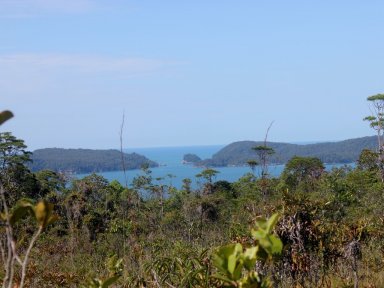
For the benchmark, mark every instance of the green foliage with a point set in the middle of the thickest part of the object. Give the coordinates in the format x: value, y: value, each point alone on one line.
x: 12, y: 151
x: 85, y: 160
x: 115, y: 267
x: 168, y: 238
x: 208, y: 174
x: 236, y: 265
x: 42, y: 212
x: 304, y: 171
x: 238, y: 153
x: 368, y: 160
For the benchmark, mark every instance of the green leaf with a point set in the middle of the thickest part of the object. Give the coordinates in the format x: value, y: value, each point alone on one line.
x: 250, y: 257
x: 261, y: 223
x: 110, y: 281
x: 226, y: 258
x: 272, y: 222
x: 222, y: 278
x: 277, y: 245
x: 5, y: 116
x: 231, y: 263
x: 238, y: 270
x: 258, y: 234
x: 219, y: 262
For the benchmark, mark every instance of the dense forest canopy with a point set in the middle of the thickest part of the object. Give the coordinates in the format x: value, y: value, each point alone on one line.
x: 238, y: 153
x: 86, y: 160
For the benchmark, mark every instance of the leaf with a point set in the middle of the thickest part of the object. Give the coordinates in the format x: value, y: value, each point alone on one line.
x: 226, y: 258
x: 277, y: 245
x: 44, y: 213
x: 5, y: 116
x: 110, y: 281
x: 261, y: 223
x: 258, y: 234
x: 250, y: 257
x: 232, y: 263
x: 222, y: 278
x: 218, y: 262
x: 237, y: 272
x: 272, y: 222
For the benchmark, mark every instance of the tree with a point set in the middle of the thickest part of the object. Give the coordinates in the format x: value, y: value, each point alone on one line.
x: 264, y: 152
x: 376, y: 120
x: 252, y: 164
x: 302, y: 171
x: 42, y: 212
x: 187, y: 185
x: 14, y: 174
x: 93, y: 190
x: 208, y: 174
x: 12, y: 151
x: 367, y: 160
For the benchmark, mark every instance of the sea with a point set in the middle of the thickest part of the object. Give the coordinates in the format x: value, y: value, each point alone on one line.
x: 172, y: 171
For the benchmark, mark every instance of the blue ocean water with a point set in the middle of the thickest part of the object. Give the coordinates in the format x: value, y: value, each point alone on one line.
x: 173, y: 171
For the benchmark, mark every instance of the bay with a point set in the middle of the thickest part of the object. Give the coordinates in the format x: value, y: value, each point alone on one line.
x: 172, y: 171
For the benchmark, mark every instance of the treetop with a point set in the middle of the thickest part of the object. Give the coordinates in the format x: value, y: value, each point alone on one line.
x: 377, y: 97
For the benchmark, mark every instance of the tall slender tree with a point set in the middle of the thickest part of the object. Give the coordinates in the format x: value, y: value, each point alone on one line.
x: 376, y: 120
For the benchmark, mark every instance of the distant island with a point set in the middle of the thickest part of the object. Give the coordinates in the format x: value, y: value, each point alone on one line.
x: 86, y: 160
x: 191, y: 158
x: 238, y: 153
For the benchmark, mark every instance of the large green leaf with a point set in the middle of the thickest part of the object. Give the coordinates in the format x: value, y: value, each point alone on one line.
x: 232, y: 259
x: 272, y: 222
x: 226, y: 259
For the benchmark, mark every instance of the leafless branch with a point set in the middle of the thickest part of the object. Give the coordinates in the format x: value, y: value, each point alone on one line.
x: 121, y: 151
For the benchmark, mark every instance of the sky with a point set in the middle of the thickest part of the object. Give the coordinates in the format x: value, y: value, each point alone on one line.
x: 184, y: 73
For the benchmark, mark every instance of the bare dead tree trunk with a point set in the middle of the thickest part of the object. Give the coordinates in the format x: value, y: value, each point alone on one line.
x: 121, y: 151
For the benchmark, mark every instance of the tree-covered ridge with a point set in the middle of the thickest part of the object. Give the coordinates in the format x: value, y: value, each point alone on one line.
x: 86, y: 160
x: 238, y: 153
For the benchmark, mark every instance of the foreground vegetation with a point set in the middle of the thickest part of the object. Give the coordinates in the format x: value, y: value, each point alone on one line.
x: 331, y: 226
x: 323, y: 229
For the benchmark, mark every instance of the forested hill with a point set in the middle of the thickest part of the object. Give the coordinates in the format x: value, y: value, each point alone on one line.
x: 238, y: 153
x: 85, y: 160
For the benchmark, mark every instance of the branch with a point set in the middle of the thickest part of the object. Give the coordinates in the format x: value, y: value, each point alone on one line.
x: 121, y: 151
x: 25, y: 262
x: 266, y: 134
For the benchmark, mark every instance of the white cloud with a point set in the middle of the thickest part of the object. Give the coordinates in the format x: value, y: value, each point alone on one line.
x: 35, y: 73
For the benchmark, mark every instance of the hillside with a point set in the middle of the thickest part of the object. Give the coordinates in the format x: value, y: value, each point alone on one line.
x: 85, y: 160
x: 238, y: 153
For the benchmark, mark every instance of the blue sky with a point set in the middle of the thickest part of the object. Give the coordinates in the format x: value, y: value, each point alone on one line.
x: 188, y: 72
